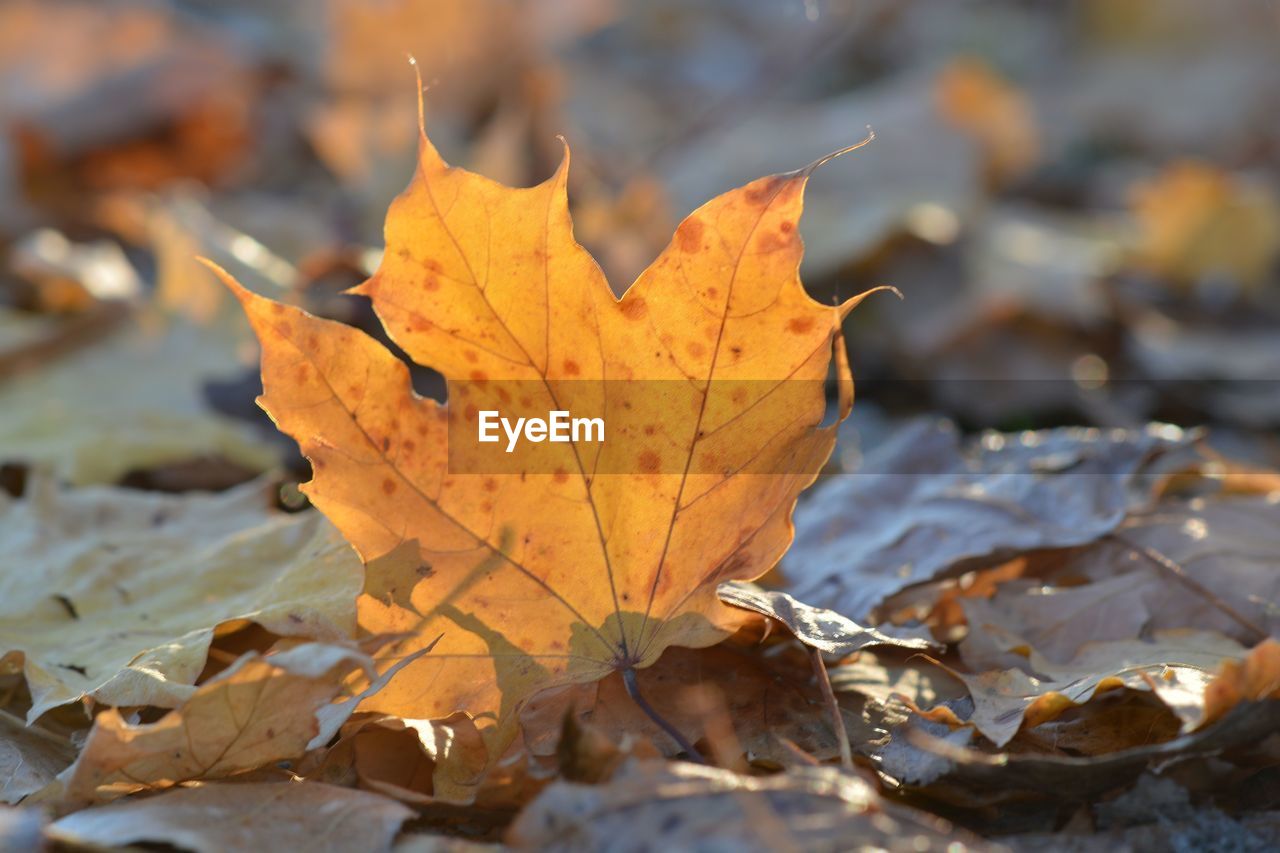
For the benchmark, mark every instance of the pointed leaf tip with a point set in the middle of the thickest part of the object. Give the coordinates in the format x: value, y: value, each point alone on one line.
x: 827, y: 158
x: 240, y: 291
x: 854, y: 301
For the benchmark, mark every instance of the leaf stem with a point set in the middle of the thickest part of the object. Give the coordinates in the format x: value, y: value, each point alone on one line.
x: 633, y: 690
x: 837, y: 719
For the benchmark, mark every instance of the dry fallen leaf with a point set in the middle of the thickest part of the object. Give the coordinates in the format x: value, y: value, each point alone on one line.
x: 1176, y: 666
x: 30, y: 757
x: 972, y: 97
x: 1055, y: 621
x: 922, y: 505
x: 1254, y: 679
x: 415, y: 761
x: 259, y: 711
x: 1221, y: 544
x: 769, y: 702
x: 90, y: 604
x: 130, y: 401
x: 63, y: 67
x: 251, y: 816
x: 576, y: 560
x: 816, y: 627
x: 686, y: 807
x: 972, y: 777
x: 886, y: 677
x: 565, y: 580
x: 1196, y: 221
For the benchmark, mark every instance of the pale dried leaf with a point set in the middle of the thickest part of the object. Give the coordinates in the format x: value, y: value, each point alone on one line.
x: 817, y: 627
x: 684, y: 806
x: 258, y: 711
x: 30, y: 757
x: 923, y: 505
x: 1175, y: 665
x: 252, y: 816
x: 115, y: 594
x: 131, y: 401
x: 1055, y: 621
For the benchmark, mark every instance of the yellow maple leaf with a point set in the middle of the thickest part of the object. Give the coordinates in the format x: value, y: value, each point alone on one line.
x: 575, y: 559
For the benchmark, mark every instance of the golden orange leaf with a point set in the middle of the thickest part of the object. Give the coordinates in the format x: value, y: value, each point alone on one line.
x: 972, y: 97
x: 1254, y: 679
x: 1196, y: 221
x: 576, y: 559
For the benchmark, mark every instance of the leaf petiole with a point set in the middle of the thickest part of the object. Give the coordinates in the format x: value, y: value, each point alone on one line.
x: 633, y: 690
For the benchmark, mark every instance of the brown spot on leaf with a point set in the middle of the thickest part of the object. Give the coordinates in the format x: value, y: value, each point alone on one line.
x: 634, y: 308
x: 763, y: 190
x: 561, y: 476
x: 389, y: 486
x: 689, y: 235
x: 800, y: 325
x: 649, y: 462
x: 771, y: 241
x: 571, y: 367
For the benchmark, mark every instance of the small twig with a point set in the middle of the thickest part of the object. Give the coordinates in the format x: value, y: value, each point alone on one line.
x: 633, y: 690
x: 837, y: 718
x: 1172, y: 569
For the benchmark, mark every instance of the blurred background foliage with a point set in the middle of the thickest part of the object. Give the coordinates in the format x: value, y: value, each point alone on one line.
x: 1077, y: 200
